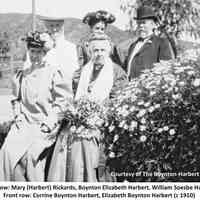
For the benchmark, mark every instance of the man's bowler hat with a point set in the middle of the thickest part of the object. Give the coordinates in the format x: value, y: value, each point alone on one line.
x: 145, y: 12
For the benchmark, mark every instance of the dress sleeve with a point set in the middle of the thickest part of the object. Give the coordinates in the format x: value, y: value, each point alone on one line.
x: 61, y: 99
x: 61, y: 92
x: 75, y: 79
x: 15, y: 84
x: 82, y: 51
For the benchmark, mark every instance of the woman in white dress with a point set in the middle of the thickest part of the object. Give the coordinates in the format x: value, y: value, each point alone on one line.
x: 41, y: 94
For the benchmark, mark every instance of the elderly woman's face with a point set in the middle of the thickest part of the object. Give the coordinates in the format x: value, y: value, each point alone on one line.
x: 100, y: 50
x: 36, y: 55
x: 99, y: 27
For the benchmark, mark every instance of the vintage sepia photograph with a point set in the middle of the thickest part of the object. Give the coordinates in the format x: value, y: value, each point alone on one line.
x: 100, y: 91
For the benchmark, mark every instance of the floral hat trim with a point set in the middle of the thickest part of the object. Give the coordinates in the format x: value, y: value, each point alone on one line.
x: 35, y: 39
x: 100, y: 15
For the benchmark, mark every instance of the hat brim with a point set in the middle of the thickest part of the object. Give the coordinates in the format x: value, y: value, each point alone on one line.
x: 147, y: 17
x: 44, y: 18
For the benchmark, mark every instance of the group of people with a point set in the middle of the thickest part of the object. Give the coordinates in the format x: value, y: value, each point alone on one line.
x: 59, y: 73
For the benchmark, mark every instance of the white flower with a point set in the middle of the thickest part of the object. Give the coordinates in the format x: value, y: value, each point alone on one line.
x: 160, y: 130
x: 116, y: 137
x: 141, y: 103
x: 133, y: 124
x: 126, y: 127
x: 172, y: 132
x: 143, y: 120
x: 179, y: 70
x: 91, y: 121
x: 73, y: 129
x: 80, y: 129
x: 111, y: 154
x: 122, y: 123
x: 196, y: 82
x: 124, y: 113
x: 99, y: 122
x: 176, y: 96
x: 143, y: 128
x: 181, y: 83
x: 125, y: 107
x: 190, y: 73
x: 175, y: 89
x: 147, y: 104
x: 141, y: 113
x: 152, y: 93
x: 157, y: 106
x: 110, y: 147
x: 151, y: 109
x: 133, y: 108
x: 111, y: 128
x: 165, y: 128
x: 143, y: 138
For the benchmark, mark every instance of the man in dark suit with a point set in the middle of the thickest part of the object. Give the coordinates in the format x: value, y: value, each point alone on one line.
x: 148, y: 48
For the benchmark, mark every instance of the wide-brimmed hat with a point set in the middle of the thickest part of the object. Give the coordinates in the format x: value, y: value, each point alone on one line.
x: 49, y: 19
x: 34, y: 40
x: 52, y: 15
x: 145, y: 12
x: 101, y: 15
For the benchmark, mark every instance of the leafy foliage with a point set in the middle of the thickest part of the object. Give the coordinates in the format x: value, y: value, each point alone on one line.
x: 153, y: 125
x: 175, y: 16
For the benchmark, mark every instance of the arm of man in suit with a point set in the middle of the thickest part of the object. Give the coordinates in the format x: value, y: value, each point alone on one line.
x: 165, y: 52
x: 126, y: 59
x: 117, y: 56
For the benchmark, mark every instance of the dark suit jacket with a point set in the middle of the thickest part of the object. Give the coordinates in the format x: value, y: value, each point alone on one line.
x: 153, y: 51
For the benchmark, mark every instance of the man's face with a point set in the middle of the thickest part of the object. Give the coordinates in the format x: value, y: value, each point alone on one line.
x: 99, y: 27
x: 145, y: 27
x: 100, y: 50
x: 55, y: 28
x: 36, y: 55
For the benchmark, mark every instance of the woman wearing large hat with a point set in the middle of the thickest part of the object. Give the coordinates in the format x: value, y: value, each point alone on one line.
x: 98, y: 22
x: 40, y: 95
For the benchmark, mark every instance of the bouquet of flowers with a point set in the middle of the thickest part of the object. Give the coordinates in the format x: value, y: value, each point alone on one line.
x: 85, y: 118
x: 153, y: 124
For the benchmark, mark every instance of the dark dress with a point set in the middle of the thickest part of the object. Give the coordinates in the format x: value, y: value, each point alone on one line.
x: 153, y: 51
x: 81, y: 156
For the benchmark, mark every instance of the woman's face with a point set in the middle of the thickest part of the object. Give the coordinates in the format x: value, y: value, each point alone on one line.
x: 36, y: 55
x: 99, y: 27
x: 55, y: 28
